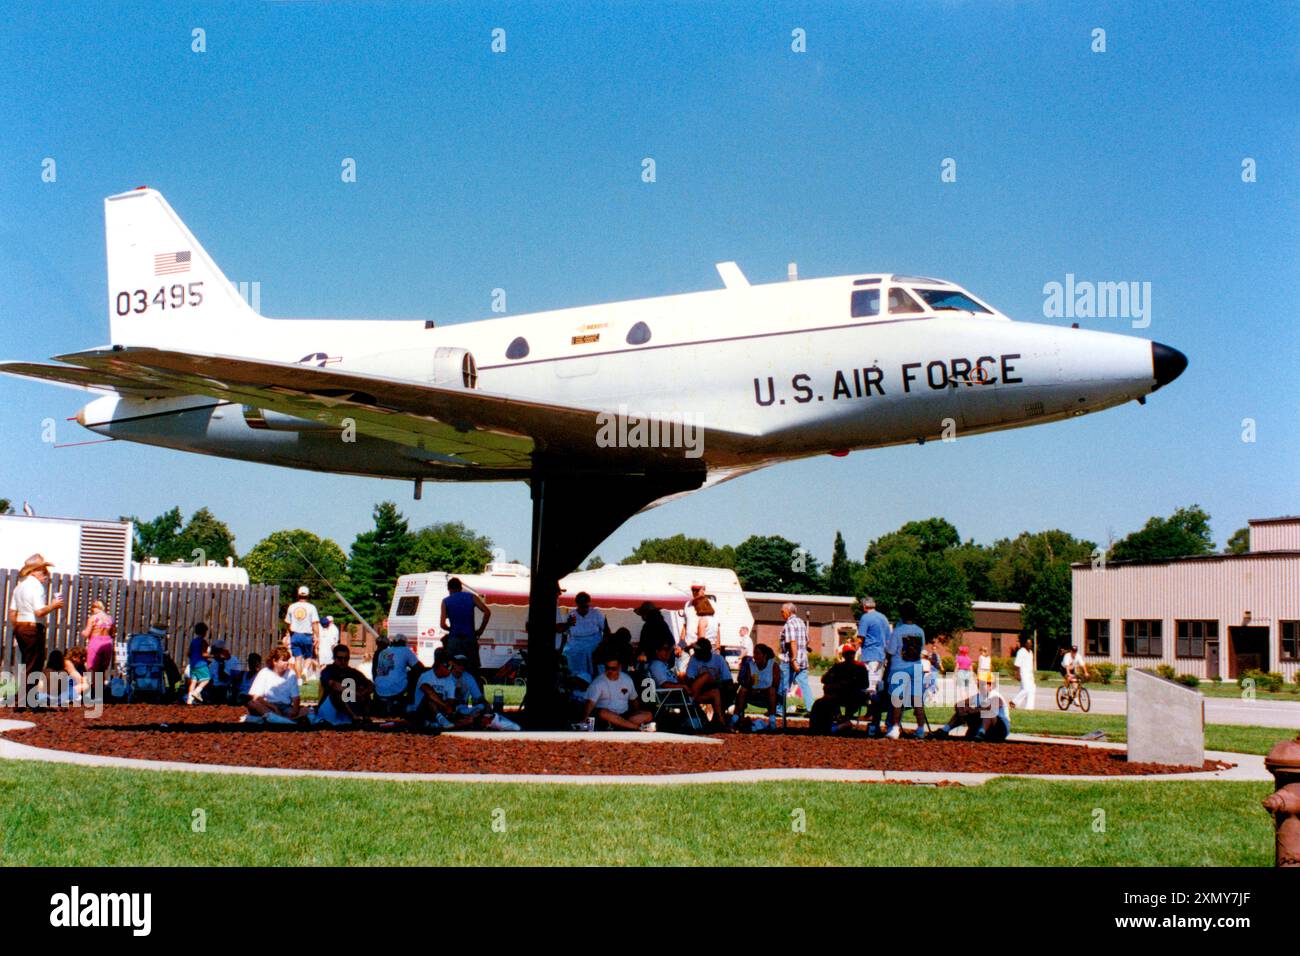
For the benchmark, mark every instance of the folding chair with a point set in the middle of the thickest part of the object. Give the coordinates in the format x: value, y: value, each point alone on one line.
x: 674, y: 699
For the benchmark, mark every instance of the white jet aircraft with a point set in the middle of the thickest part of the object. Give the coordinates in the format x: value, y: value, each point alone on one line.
x: 603, y: 409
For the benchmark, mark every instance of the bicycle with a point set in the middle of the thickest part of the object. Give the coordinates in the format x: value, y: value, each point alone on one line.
x: 1073, y: 693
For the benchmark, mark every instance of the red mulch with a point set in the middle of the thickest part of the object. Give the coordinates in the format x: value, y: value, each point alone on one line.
x: 210, y: 734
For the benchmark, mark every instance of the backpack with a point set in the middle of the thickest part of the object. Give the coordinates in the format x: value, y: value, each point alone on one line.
x: 911, y: 647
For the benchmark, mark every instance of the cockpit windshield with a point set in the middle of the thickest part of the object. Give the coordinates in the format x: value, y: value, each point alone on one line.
x: 952, y: 300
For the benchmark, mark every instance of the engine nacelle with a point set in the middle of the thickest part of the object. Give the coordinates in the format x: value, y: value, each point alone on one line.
x: 444, y: 367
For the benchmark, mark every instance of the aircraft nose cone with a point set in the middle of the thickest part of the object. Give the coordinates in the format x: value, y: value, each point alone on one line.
x: 1166, y: 364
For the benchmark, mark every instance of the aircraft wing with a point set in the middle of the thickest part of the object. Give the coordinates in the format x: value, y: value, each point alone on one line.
x: 86, y: 378
x: 452, y: 426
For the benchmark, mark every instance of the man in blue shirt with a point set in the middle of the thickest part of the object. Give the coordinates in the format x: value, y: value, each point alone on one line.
x: 876, y: 634
x: 906, y: 672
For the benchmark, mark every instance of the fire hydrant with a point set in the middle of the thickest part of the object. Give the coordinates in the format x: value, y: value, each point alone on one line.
x: 1283, y: 762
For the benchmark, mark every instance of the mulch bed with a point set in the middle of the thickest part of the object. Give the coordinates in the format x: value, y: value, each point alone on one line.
x: 210, y: 734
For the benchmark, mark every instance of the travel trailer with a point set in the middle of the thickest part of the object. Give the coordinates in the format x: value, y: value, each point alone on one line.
x: 617, y: 590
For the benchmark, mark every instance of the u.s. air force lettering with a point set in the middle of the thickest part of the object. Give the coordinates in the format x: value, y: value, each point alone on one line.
x: 911, y: 376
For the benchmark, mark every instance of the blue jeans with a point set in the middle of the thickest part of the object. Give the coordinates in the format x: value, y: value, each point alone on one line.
x: 805, y: 687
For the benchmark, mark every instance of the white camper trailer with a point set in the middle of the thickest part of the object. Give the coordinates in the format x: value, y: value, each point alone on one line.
x: 617, y: 590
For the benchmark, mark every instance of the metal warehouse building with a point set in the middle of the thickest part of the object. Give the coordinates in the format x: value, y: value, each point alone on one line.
x: 1215, y: 616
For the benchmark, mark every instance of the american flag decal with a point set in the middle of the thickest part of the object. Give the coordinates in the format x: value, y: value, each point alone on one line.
x: 166, y: 263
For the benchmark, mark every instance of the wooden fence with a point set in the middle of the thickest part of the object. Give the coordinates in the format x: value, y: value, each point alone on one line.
x: 246, y: 617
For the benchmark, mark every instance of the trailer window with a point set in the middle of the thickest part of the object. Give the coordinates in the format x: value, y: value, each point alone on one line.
x: 407, y: 606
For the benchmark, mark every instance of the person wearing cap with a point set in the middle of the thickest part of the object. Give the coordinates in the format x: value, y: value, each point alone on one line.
x: 586, y: 629
x: 435, y: 695
x: 612, y: 698
x: 708, y: 676
x: 654, y: 630
x: 690, y: 626
x: 392, y: 668
x: 28, y: 609
x: 304, y: 630
x: 329, y: 637
x: 458, y: 622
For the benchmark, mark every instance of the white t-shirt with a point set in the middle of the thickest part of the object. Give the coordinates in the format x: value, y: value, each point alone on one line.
x: 27, y: 599
x: 692, y: 620
x: 1068, y: 660
x: 277, y: 688
x: 1025, y: 665
x: 390, y: 668
x: 301, y: 616
x: 612, y: 695
x: 444, y: 687
x: 329, y: 636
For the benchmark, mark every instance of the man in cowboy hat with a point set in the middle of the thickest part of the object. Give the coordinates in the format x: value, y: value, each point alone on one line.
x: 28, y: 608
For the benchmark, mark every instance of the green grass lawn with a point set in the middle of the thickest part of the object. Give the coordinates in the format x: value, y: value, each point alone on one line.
x: 143, y: 818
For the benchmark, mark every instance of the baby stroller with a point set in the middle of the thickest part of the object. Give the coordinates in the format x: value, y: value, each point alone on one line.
x: 145, y: 668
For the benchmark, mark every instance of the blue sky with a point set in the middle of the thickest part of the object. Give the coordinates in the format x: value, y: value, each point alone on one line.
x: 522, y: 170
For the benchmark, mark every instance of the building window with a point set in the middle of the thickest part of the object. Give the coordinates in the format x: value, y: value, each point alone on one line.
x: 639, y: 334
x: 1096, y: 638
x: 1192, y: 636
x: 517, y: 349
x: 1290, y: 631
x: 1142, y: 639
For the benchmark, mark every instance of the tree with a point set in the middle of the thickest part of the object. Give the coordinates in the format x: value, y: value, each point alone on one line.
x: 1047, y: 609
x: 595, y: 562
x: 771, y: 563
x: 933, y: 582
x: 157, y: 538
x: 1183, y: 534
x: 842, y: 577
x: 1018, y: 562
x: 449, y: 547
x: 205, y: 534
x: 375, y: 559
x: 6, y: 506
x: 168, y: 538
x: 919, y: 537
x: 680, y: 549
x: 976, y: 564
x: 1239, y: 543
x: 278, y: 559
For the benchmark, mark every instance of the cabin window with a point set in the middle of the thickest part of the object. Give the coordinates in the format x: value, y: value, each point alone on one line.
x: 1143, y: 639
x: 517, y: 349
x: 950, y: 300
x: 1096, y: 637
x: 865, y: 302
x: 1192, y: 636
x: 639, y: 334
x: 407, y: 606
x: 901, y: 302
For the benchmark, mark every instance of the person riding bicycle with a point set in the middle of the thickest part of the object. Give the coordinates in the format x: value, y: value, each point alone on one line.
x: 1073, y: 667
